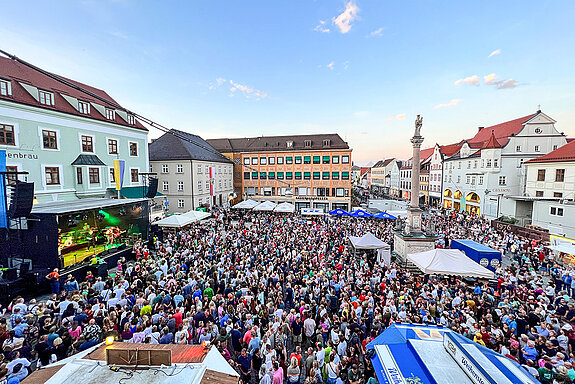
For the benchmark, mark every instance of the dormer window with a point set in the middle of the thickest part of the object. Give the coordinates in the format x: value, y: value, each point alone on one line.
x: 307, y: 143
x: 326, y: 142
x: 289, y: 144
x: 83, y: 107
x: 110, y: 114
x: 131, y: 119
x: 5, y: 88
x: 45, y: 97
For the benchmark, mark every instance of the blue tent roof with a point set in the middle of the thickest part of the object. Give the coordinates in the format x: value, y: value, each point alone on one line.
x: 384, y: 215
x: 339, y: 212
x: 360, y: 213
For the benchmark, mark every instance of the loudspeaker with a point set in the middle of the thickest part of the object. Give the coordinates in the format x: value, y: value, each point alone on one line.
x: 11, y: 274
x: 22, y: 199
x: 24, y: 268
x: 152, y: 189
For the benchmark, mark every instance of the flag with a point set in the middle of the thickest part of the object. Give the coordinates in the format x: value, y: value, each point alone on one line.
x: 211, y: 181
x: 119, y: 166
x: 3, y: 217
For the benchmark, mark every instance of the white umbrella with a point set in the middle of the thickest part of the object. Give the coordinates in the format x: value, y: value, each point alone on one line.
x: 265, y: 206
x: 175, y: 221
x: 285, y: 207
x: 197, y: 215
x: 246, y: 204
x: 448, y: 262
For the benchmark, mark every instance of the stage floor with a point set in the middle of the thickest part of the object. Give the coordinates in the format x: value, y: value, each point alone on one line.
x: 82, y: 254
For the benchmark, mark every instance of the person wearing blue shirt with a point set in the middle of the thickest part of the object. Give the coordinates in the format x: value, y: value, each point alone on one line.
x: 529, y: 352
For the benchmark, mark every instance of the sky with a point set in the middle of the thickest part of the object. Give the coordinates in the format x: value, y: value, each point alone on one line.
x: 362, y: 69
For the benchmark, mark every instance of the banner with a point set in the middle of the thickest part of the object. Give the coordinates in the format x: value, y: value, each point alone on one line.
x: 3, y: 208
x: 119, y: 166
x: 211, y: 181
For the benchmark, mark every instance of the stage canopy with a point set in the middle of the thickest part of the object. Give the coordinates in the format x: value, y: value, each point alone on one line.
x: 384, y: 215
x: 265, y: 206
x: 175, y: 221
x: 369, y: 241
x: 246, y: 204
x: 448, y: 262
x: 407, y: 353
x: 285, y: 207
x: 339, y: 212
x: 197, y: 215
x: 360, y: 213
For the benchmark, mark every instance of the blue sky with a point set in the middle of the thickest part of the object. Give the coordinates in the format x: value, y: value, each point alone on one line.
x: 363, y: 69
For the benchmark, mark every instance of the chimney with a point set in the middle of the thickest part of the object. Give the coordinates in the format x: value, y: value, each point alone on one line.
x: 479, y: 129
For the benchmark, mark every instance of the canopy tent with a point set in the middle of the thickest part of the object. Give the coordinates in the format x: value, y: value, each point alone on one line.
x: 339, y: 212
x: 369, y: 241
x: 564, y: 248
x: 360, y: 213
x: 197, y: 215
x: 175, y: 221
x: 285, y: 207
x: 384, y: 215
x: 246, y: 204
x: 448, y: 262
x: 265, y: 206
x: 431, y: 354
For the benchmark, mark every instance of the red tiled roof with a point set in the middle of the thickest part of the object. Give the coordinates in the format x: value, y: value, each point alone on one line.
x: 564, y: 153
x: 492, y: 143
x: 570, y: 139
x: 451, y: 149
x: 502, y: 132
x: 425, y: 153
x: 20, y: 73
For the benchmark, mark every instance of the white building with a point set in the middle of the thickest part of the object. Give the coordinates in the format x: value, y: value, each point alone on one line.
x: 394, y: 178
x: 405, y: 175
x: 190, y: 172
x: 488, y: 168
x: 381, y: 176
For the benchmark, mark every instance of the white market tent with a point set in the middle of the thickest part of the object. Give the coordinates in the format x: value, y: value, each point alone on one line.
x: 448, y: 262
x: 285, y: 207
x: 175, y: 221
x: 265, y: 206
x: 246, y: 204
x: 197, y: 215
x: 369, y: 241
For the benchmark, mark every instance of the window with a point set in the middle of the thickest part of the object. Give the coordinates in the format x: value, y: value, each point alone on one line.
x: 480, y: 180
x: 131, y: 119
x: 207, y: 185
x: 339, y: 192
x: 495, y: 163
x: 280, y: 160
x: 335, y: 159
x: 181, y: 203
x: 459, y: 179
x: 316, y: 175
x: 46, y: 98
x: 557, y: 194
x: 49, y: 139
x: 518, y: 148
x: 537, y: 148
x: 469, y: 164
x: 112, y: 147
x: 325, y: 175
x: 246, y: 161
x: 263, y: 176
x: 79, y: 179
x: 502, y: 180
x: 345, y: 159
x: 180, y: 168
x: 289, y: 160
x: 94, y: 175
x: 112, y: 176
x: 468, y: 179
x: 246, y: 175
x: 459, y: 164
x: 556, y: 211
x: 199, y: 169
x: 133, y: 149
x: 298, y: 159
x: 271, y: 160
x: 7, y: 134
x: 180, y: 186
x: 326, y: 142
x: 254, y: 175
x: 200, y: 185
x: 335, y: 175
x: 5, y: 88
x: 316, y: 159
x: 474, y: 163
x: 271, y: 175
x: 83, y: 107
x: 488, y: 163
x: 52, y: 175
x: 254, y: 161
x: 11, y: 179
x: 110, y: 114
x: 87, y: 144
x: 263, y: 160
x: 554, y: 146
x: 298, y: 175
x: 307, y: 159
x: 541, y: 175
x: 307, y: 175
x: 559, y: 175
x: 165, y: 168
x: 135, y: 175
x: 307, y: 143
x: 538, y: 193
x: 345, y: 175
x: 280, y: 175
x: 289, y: 176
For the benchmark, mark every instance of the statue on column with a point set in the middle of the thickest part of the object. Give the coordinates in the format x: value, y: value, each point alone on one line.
x: 418, y: 124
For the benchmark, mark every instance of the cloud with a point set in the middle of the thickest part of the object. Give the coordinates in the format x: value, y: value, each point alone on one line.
x: 345, y: 19
x: 331, y: 65
x: 451, y: 104
x: 345, y: 65
x: 321, y: 27
x: 118, y: 34
x: 376, y: 33
x: 247, y: 91
x: 389, y: 120
x: 220, y: 80
x: 496, y: 52
x: 491, y: 79
x: 401, y: 116
x: 510, y: 83
x: 471, y: 80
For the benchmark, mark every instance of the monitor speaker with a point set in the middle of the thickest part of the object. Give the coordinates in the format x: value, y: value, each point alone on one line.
x: 11, y: 274
x: 22, y: 200
x: 152, y: 189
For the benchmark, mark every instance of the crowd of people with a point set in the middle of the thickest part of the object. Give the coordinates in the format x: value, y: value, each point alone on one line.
x: 285, y: 300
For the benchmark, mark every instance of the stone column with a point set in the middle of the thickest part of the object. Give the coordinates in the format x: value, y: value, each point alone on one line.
x: 415, y: 168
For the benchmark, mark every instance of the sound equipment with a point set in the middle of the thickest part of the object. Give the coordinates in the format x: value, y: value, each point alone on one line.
x: 22, y: 199
x: 24, y: 268
x: 152, y: 189
x: 11, y: 274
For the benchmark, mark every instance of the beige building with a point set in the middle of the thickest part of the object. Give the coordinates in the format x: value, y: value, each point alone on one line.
x: 190, y: 172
